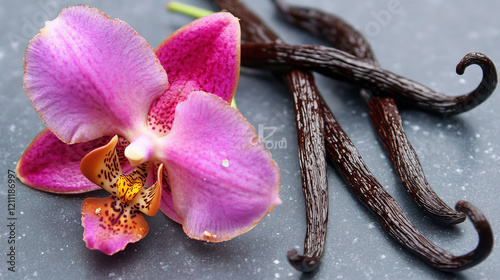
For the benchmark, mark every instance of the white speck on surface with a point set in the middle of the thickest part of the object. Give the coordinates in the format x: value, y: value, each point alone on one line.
x: 473, y: 35
x: 355, y: 240
x: 383, y: 257
x: 14, y: 45
x: 276, y: 262
x: 458, y: 170
x: 112, y: 274
x: 415, y: 127
x: 12, y: 128
x: 276, y: 275
x: 225, y: 162
x: 462, y: 81
x: 478, y: 135
x: 371, y: 225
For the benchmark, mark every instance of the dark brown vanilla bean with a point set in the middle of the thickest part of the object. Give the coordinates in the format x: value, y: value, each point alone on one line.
x: 389, y: 125
x: 369, y: 191
x: 383, y: 110
x: 329, y: 27
x: 383, y: 206
x: 310, y: 134
x: 388, y: 122
x: 312, y: 153
x: 343, y: 66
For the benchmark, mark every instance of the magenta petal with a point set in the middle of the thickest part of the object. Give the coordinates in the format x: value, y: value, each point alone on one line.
x: 109, y: 227
x: 166, y: 203
x: 223, y: 181
x: 203, y: 55
x: 89, y: 76
x: 53, y: 166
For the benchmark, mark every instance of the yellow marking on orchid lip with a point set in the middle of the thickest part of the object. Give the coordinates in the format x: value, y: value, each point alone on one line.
x: 129, y: 186
x: 98, y: 211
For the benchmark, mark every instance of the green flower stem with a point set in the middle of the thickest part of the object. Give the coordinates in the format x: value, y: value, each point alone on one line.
x: 189, y: 10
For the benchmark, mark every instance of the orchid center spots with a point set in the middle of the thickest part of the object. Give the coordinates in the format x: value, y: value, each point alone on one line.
x: 130, y: 185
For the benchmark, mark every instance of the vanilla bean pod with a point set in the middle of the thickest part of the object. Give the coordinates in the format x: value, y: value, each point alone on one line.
x: 383, y: 110
x: 310, y: 133
x: 372, y: 194
x: 343, y: 66
x: 363, y: 183
x: 386, y: 209
x: 312, y: 159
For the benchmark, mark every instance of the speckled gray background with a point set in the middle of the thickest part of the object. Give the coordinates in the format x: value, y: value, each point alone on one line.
x: 460, y: 155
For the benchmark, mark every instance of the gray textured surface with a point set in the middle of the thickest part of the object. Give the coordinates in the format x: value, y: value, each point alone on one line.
x: 460, y: 155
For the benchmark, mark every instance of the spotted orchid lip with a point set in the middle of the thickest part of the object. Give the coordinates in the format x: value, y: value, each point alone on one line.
x: 113, y: 222
x: 109, y: 227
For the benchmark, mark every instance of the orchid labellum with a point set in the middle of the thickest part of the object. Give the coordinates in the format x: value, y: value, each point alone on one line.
x: 91, y: 78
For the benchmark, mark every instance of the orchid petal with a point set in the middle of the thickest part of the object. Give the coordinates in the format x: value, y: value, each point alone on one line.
x: 102, y: 167
x: 166, y: 203
x: 203, y: 55
x: 53, y: 166
x: 148, y: 200
x: 89, y: 76
x: 223, y: 181
x: 109, y: 227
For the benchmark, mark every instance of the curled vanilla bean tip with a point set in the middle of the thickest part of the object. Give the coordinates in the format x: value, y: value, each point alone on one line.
x: 302, y: 263
x: 485, y: 235
x: 341, y: 65
x: 484, y: 89
x: 445, y: 261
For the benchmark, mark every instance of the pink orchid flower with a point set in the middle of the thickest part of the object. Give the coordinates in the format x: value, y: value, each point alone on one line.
x: 91, y: 78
